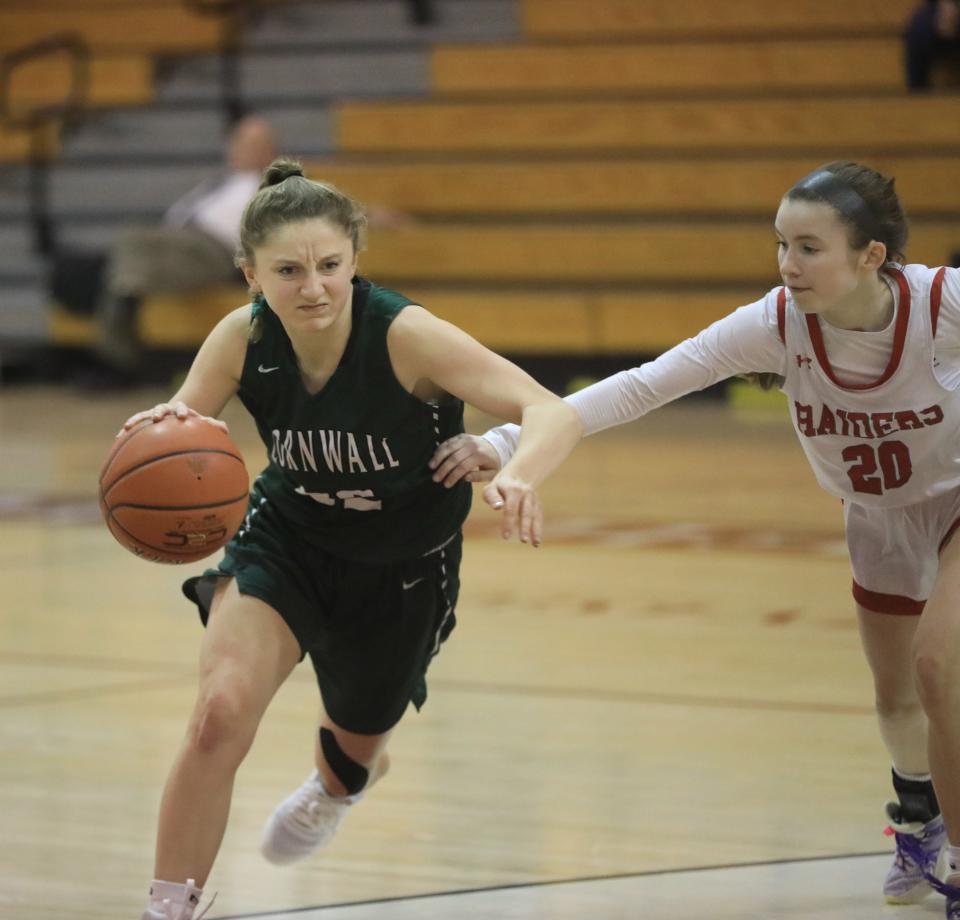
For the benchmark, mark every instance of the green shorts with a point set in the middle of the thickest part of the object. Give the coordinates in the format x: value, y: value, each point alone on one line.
x: 370, y: 630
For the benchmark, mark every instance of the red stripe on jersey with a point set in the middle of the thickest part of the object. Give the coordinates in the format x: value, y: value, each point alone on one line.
x: 876, y: 602
x: 899, y: 337
x: 936, y: 292
x: 782, y: 314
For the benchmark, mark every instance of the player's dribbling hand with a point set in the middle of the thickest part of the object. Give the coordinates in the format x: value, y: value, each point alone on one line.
x: 464, y: 456
x: 180, y: 409
x: 520, y: 504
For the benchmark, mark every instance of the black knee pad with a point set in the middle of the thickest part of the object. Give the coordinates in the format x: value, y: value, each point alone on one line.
x: 353, y: 776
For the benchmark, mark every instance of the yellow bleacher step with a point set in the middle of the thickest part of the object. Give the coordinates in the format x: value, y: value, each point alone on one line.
x: 621, y: 186
x: 660, y: 252
x: 757, y: 66
x: 626, y: 18
x: 492, y: 259
x: 505, y: 320
x: 125, y: 79
x: 830, y: 125
x: 588, y: 323
x: 15, y: 143
x: 143, y: 27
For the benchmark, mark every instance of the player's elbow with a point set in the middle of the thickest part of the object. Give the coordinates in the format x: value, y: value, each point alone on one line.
x: 559, y: 415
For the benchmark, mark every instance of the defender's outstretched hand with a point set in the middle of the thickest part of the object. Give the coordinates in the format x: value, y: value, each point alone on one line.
x: 520, y: 504
x: 464, y: 456
x: 162, y: 410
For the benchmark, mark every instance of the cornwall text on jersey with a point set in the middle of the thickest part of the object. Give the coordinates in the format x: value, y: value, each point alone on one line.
x: 337, y: 451
x: 812, y: 422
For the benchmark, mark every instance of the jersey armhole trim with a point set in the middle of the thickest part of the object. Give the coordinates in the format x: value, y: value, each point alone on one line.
x: 936, y: 292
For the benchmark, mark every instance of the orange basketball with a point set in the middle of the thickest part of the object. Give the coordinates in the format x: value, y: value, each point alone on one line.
x: 175, y: 490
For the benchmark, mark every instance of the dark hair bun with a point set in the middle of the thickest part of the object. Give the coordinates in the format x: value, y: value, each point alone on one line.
x: 279, y: 170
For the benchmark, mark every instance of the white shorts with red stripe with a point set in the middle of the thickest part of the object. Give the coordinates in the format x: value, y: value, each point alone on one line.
x: 895, y: 552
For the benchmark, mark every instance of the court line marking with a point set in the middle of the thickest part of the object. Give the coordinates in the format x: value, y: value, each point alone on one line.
x: 652, y: 873
x: 44, y: 697
x: 94, y: 662
x: 651, y: 697
x: 571, y: 529
x: 450, y: 685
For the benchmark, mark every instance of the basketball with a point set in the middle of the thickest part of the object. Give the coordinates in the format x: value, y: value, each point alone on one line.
x: 173, y: 491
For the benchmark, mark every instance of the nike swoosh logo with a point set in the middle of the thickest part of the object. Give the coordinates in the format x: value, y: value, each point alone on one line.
x: 267, y: 370
x: 407, y: 585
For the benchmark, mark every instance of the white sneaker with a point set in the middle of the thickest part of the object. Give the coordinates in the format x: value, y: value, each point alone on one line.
x: 180, y: 909
x: 303, y: 822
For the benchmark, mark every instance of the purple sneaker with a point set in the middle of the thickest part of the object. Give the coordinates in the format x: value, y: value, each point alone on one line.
x: 915, y: 860
x: 951, y: 892
x: 953, y: 905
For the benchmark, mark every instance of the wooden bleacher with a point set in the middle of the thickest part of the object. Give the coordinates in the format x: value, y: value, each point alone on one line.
x: 515, y: 322
x: 636, y: 254
x: 144, y: 27
x: 61, y: 6
x: 651, y: 187
x: 641, y: 145
x: 826, y: 124
x: 740, y: 258
x: 124, y: 37
x: 115, y: 79
x: 619, y: 19
x: 764, y: 67
x: 15, y: 143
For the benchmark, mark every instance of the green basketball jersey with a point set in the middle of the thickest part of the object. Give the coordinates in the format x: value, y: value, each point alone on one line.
x: 348, y: 465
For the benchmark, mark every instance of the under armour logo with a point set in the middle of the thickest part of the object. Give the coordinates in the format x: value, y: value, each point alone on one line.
x: 267, y: 370
x: 803, y: 359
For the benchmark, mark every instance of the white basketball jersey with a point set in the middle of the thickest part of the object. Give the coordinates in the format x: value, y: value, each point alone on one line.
x: 892, y: 441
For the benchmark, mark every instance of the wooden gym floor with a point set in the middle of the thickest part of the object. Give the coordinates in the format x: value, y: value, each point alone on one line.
x: 661, y: 713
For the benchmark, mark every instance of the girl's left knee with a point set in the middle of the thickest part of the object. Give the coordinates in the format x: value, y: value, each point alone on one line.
x: 932, y: 669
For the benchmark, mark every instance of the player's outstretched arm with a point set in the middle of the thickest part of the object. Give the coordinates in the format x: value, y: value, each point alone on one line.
x: 744, y: 341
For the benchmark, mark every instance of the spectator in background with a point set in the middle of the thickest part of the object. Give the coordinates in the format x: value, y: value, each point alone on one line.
x: 191, y: 249
x: 932, y: 34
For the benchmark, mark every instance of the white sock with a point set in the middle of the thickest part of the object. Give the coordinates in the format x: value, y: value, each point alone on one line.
x: 175, y: 892
x: 914, y: 777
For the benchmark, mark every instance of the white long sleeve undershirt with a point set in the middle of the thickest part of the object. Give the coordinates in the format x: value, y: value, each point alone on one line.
x: 745, y: 341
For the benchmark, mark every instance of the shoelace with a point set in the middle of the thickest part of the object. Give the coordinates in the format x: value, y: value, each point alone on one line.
x: 900, y: 859
x: 309, y: 810
x: 913, y: 848
x: 911, y: 845
x: 184, y: 908
x: 950, y: 892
